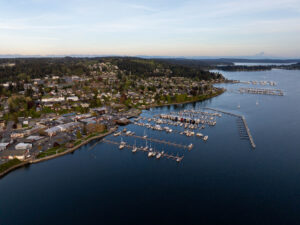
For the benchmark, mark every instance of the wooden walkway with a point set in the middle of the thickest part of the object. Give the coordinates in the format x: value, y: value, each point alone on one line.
x: 244, y: 131
x: 163, y: 155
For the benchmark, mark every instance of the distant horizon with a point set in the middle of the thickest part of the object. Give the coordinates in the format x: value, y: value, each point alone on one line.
x: 211, y: 28
x: 11, y: 56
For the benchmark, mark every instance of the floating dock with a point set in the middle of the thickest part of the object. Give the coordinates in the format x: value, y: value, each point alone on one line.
x: 261, y: 91
x: 164, y: 155
x: 161, y: 141
x: 243, y: 133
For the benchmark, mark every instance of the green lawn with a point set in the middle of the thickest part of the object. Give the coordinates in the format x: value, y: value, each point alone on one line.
x: 9, y: 164
x: 51, y: 151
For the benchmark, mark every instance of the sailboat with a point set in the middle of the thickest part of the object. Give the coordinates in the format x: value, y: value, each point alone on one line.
x: 122, y: 144
x: 146, y: 147
x: 257, y: 103
x: 134, y: 147
x: 150, y: 153
x: 239, y: 106
x: 145, y: 135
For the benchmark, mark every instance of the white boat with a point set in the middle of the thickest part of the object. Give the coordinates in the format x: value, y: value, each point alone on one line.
x: 150, y: 154
x: 190, y: 146
x: 117, y: 134
x: 134, y: 149
x: 199, y: 135
x: 178, y: 160
x: 128, y: 133
x: 122, y: 144
x: 158, y: 155
x: 205, y: 138
x: 146, y: 147
x: 145, y: 136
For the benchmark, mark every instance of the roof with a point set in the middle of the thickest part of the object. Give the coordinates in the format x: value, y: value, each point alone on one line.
x: 35, y: 138
x: 23, y: 145
x: 69, y: 114
x: 4, y: 144
x: 13, y: 153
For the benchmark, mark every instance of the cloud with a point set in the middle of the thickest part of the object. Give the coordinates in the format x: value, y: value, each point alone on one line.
x: 142, y: 7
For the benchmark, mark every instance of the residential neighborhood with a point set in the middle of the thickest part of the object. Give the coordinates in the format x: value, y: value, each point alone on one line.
x: 42, y: 116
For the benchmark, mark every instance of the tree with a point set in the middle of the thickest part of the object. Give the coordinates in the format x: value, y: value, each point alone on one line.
x: 78, y: 134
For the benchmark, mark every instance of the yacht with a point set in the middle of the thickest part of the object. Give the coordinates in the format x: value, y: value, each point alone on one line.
x: 190, y: 146
x: 205, y: 138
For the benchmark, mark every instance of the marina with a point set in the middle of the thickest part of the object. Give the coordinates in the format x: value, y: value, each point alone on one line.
x: 260, y: 91
x: 163, y: 142
x: 151, y: 152
x: 242, y: 124
x: 105, y: 179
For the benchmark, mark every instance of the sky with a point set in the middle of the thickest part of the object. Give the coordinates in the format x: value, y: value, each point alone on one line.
x: 151, y: 27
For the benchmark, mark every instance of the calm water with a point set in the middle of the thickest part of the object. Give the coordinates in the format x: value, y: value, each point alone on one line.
x: 262, y: 64
x: 222, y: 181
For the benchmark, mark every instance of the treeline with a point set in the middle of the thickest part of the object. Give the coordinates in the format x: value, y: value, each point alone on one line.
x: 153, y: 67
x: 30, y: 68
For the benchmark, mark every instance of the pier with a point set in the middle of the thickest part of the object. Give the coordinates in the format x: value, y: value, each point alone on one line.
x: 261, y: 91
x: 244, y: 129
x: 163, y: 155
x: 162, y: 142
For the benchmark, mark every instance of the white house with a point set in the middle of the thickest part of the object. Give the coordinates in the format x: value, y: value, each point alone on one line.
x: 57, y: 99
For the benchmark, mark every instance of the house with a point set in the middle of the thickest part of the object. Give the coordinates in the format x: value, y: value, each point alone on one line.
x: 54, y: 99
x: 100, y: 111
x: 17, y: 135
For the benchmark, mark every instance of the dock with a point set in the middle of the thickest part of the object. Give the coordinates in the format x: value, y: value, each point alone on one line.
x: 161, y: 142
x: 261, y: 91
x: 164, y: 155
x: 244, y: 129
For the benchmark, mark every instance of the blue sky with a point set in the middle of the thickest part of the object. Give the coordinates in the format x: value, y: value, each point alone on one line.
x: 153, y: 27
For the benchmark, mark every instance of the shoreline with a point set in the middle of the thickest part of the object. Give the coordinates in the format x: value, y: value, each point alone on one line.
x: 30, y: 161
x: 73, y: 149
x: 187, y: 102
